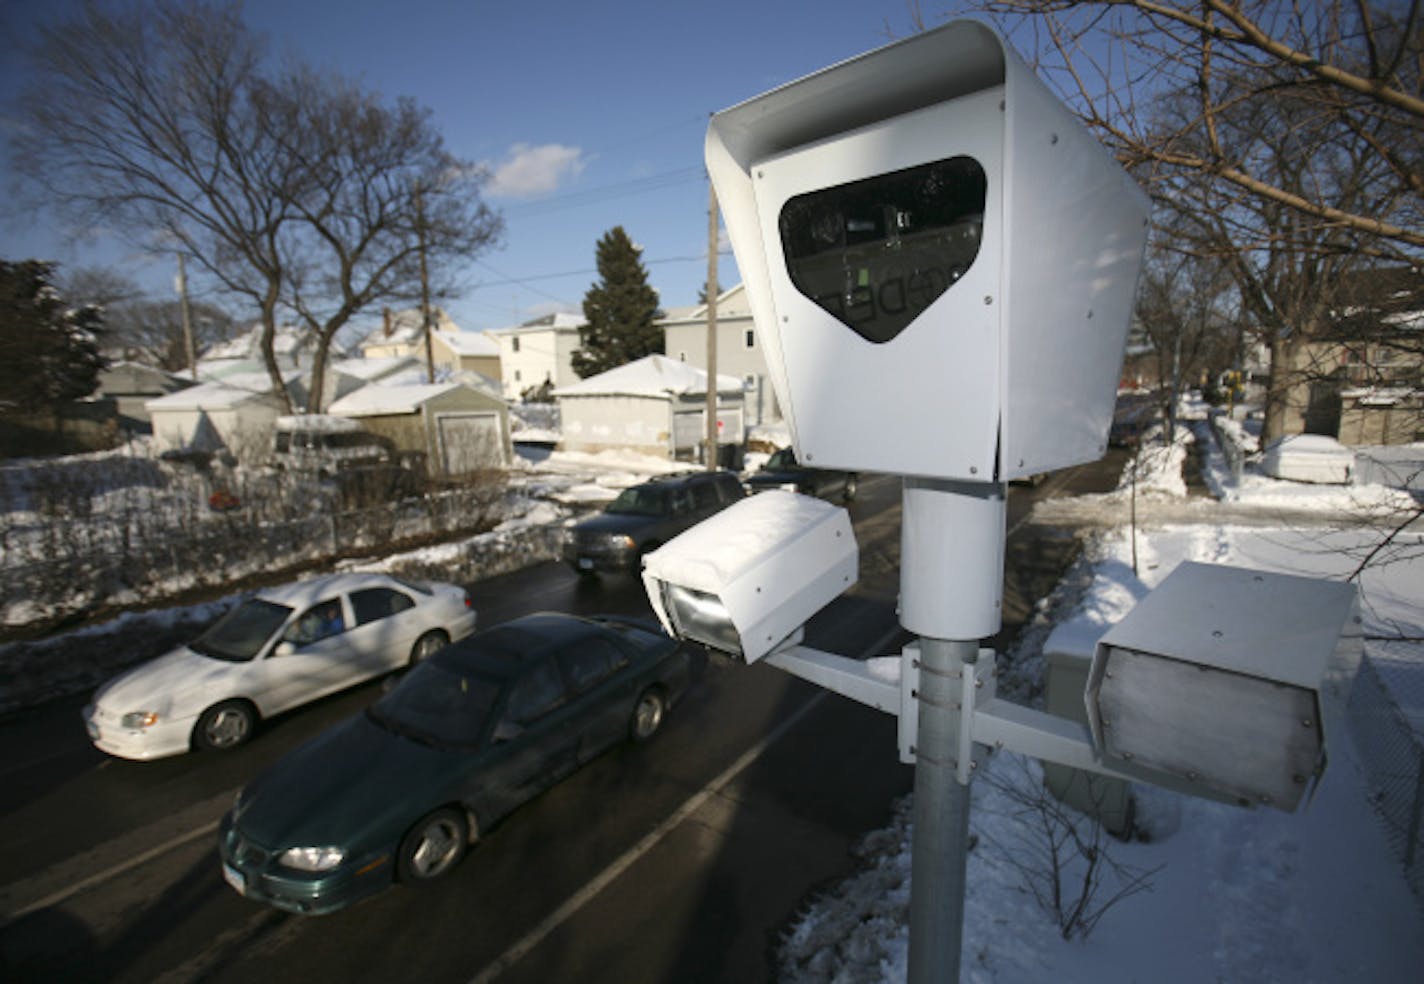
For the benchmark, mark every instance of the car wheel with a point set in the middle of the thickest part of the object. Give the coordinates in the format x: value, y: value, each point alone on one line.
x: 428, y: 645
x: 851, y: 487
x: 224, y: 725
x: 648, y: 715
x: 433, y: 846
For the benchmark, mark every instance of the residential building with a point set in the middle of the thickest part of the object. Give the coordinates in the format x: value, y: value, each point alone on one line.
x: 457, y: 428
x: 739, y: 349
x: 1360, y: 376
x: 402, y: 334
x: 131, y: 385
x: 538, y: 354
x: 655, y: 405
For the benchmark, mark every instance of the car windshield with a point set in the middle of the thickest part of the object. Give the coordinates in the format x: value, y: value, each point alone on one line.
x: 785, y: 458
x: 640, y: 500
x: 438, y: 706
x: 240, y: 634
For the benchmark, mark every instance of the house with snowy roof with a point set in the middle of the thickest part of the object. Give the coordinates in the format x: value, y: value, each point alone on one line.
x: 656, y: 405
x: 458, y: 428
x: 739, y: 349
x: 538, y: 354
x: 402, y: 333
x: 236, y: 414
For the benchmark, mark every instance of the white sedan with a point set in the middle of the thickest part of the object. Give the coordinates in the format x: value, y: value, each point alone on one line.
x: 283, y: 647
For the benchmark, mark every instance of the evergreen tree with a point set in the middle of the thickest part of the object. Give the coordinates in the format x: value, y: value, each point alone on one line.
x: 620, y: 310
x: 49, y: 352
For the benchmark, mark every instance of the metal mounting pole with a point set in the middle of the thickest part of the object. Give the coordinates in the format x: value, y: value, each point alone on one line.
x: 940, y: 840
x: 951, y: 585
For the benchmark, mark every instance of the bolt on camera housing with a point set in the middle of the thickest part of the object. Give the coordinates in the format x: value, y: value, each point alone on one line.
x: 927, y: 228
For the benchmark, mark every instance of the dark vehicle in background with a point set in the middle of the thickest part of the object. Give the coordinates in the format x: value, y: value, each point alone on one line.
x: 400, y: 791
x: 646, y: 516
x: 1133, y: 416
x: 782, y: 471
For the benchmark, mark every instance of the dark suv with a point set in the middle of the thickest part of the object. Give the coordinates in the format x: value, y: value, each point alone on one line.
x: 646, y: 516
x: 782, y: 471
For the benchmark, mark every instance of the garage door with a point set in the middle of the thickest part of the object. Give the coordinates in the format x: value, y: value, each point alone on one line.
x: 469, y: 442
x: 689, y: 427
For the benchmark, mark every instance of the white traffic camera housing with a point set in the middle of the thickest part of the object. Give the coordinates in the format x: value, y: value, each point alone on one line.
x: 745, y: 580
x: 940, y: 260
x: 1227, y: 679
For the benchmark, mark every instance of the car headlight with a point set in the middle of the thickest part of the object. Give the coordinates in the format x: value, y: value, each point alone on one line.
x: 139, y: 719
x: 788, y: 487
x: 622, y: 542
x: 312, y: 858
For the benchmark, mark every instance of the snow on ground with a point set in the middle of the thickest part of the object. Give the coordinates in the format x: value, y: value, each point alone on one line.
x: 1233, y: 895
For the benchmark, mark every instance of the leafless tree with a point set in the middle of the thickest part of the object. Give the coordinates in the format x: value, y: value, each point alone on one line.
x: 291, y: 191
x: 1182, y: 306
x: 1284, y: 139
x: 379, y: 189
x: 1357, y: 63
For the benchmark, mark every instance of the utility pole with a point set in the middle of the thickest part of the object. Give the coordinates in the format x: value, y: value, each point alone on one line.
x: 712, y: 226
x: 188, y: 348
x: 424, y: 287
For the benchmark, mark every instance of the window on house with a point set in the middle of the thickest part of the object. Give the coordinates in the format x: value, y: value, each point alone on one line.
x: 514, y: 344
x: 516, y: 375
x: 751, y: 338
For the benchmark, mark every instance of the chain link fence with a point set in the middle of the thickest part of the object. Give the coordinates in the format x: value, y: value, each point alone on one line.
x: 77, y: 565
x: 1386, y: 715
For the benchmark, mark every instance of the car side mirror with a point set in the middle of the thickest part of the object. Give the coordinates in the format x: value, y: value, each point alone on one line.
x: 285, y: 648
x: 507, y: 730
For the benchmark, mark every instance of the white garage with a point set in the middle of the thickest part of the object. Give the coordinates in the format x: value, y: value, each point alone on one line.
x: 654, y: 406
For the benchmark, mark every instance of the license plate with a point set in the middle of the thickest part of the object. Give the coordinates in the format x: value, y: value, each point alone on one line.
x: 234, y: 878
x: 585, y: 564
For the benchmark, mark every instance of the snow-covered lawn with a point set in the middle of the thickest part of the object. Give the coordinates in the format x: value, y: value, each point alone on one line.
x: 1233, y: 895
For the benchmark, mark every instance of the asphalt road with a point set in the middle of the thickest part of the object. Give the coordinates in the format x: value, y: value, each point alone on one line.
x: 683, y: 859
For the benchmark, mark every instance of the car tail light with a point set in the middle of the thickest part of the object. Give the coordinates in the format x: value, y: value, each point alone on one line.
x: 468, y: 602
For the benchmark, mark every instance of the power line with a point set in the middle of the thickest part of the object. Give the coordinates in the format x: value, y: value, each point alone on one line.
x: 702, y: 257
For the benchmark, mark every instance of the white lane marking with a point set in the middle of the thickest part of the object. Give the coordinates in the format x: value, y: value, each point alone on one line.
x: 630, y: 857
x: 68, y: 892
x: 608, y: 875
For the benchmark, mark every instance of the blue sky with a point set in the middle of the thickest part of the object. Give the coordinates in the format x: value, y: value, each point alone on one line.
x: 589, y: 115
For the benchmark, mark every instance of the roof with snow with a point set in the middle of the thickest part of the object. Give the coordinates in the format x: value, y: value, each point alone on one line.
x: 653, y: 375
x: 287, y: 341
x: 223, y: 395
x: 406, y: 327
x: 473, y: 343
x: 383, y: 398
x: 731, y: 303
x: 373, y: 369
x: 559, y: 321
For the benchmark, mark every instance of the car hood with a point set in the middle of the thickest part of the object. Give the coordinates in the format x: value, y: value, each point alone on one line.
x: 618, y: 523
x: 343, y: 788
x: 170, y: 680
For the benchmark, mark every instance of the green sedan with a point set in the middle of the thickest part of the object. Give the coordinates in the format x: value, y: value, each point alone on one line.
x: 400, y: 791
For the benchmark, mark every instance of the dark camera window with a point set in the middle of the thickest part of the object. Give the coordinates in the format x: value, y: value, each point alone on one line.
x: 875, y: 253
